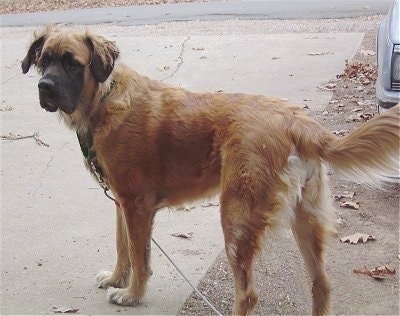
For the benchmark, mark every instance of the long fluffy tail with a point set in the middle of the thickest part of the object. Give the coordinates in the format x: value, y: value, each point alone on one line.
x: 370, y: 154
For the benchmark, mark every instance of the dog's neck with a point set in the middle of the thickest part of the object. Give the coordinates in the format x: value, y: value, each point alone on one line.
x: 80, y: 120
x: 110, y: 87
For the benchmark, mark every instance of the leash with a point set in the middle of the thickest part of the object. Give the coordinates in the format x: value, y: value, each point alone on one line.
x: 172, y: 262
x: 186, y: 279
x: 86, y: 144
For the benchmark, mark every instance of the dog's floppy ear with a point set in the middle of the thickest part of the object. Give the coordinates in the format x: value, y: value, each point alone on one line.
x: 33, y: 53
x: 104, y: 53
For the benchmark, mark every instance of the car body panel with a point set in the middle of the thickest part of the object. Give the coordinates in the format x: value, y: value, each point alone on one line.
x: 388, y: 36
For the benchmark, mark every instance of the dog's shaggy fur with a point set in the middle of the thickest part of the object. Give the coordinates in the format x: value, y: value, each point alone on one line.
x: 161, y: 145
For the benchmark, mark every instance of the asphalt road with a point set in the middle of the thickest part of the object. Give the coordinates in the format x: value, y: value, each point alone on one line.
x: 211, y: 11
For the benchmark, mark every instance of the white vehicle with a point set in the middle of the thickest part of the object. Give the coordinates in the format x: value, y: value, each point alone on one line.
x: 388, y: 59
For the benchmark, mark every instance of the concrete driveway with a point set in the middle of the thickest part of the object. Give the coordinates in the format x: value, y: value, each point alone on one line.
x: 57, y: 228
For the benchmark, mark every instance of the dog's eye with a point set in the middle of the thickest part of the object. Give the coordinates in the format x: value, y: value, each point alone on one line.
x: 74, y: 63
x: 44, y: 61
x: 69, y: 61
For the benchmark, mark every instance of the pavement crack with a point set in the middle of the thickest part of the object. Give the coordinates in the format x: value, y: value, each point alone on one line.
x: 180, y: 58
x: 9, y: 79
x: 47, y: 167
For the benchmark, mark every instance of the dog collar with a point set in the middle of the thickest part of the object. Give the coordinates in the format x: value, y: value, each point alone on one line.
x: 86, y: 144
x: 113, y: 83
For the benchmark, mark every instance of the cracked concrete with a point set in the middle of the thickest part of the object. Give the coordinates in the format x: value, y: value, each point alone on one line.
x: 180, y: 58
x: 47, y: 167
x: 53, y: 242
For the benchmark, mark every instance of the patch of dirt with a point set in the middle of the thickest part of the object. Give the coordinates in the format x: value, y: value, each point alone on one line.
x: 20, y: 6
x: 282, y: 281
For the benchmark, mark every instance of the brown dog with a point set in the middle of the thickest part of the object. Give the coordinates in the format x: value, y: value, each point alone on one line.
x: 159, y: 145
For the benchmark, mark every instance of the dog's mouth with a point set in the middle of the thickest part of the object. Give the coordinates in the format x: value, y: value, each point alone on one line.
x: 48, y: 103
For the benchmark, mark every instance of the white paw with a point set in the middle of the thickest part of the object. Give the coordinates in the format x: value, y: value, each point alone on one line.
x: 121, y: 297
x: 104, y: 279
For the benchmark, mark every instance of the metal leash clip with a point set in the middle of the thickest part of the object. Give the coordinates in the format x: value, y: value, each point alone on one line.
x: 95, y: 168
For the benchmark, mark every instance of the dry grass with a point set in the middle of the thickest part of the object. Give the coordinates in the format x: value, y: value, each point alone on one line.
x: 20, y: 6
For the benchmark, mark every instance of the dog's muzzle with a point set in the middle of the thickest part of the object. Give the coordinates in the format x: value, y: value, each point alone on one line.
x: 46, y: 94
x: 51, y: 98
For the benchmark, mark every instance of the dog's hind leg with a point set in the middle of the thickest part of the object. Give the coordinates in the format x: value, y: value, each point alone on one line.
x: 311, y: 228
x: 139, y: 222
x: 242, y: 241
x: 120, y: 277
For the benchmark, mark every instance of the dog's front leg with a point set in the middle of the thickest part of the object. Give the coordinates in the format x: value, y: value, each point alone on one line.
x: 120, y: 277
x: 138, y: 223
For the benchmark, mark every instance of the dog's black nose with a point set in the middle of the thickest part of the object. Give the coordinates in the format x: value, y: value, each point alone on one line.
x: 45, y: 85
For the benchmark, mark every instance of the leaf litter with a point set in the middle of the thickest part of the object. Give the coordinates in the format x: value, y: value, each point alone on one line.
x: 359, y: 71
x: 350, y: 205
x: 378, y: 273
x: 65, y: 310
x: 183, y: 235
x: 344, y: 195
x: 355, y: 238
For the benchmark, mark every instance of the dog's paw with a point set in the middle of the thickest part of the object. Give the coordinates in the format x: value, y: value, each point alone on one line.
x: 121, y: 297
x: 106, y: 279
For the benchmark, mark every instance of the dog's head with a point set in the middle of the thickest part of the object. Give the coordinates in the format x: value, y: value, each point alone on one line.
x: 71, y: 64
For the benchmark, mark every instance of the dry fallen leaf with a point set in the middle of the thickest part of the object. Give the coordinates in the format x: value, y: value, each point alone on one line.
x: 342, y: 132
x: 344, y: 195
x: 353, y: 118
x: 183, y: 235
x: 366, y: 116
x: 352, y: 205
x: 384, y: 270
x: 364, y: 103
x: 365, y: 81
x: 355, y: 238
x: 209, y: 203
x: 318, y: 53
x: 367, y: 52
x: 328, y: 87
x: 365, y: 73
x: 379, y: 273
x: 65, y: 310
